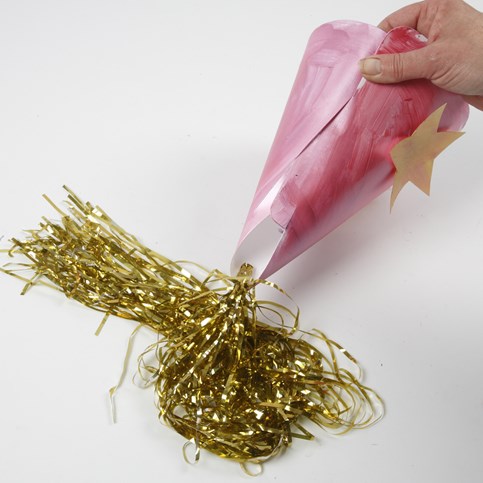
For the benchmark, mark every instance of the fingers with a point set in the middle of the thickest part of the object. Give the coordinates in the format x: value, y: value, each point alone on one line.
x: 475, y: 101
x: 407, y: 16
x: 391, y: 68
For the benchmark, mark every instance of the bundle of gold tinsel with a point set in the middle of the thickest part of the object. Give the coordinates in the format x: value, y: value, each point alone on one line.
x: 232, y: 374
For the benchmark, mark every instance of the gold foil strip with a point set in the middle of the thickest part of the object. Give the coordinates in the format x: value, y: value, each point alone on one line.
x: 233, y: 374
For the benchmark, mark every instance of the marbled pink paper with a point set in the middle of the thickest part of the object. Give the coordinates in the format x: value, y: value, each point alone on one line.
x: 330, y: 156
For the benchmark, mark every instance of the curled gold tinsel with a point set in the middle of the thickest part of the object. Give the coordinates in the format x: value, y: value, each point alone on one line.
x: 233, y: 374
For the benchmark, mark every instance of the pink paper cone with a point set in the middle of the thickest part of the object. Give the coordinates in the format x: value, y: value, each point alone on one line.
x: 330, y: 156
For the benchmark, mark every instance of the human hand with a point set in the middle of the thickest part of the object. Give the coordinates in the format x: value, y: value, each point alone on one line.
x: 453, y: 58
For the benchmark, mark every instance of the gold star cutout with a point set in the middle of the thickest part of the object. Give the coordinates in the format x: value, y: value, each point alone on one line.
x: 414, y: 156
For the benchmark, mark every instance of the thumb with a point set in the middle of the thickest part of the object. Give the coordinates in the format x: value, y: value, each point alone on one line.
x: 475, y: 101
x: 391, y: 68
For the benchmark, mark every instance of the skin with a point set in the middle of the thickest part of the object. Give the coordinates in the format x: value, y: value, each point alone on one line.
x: 453, y: 58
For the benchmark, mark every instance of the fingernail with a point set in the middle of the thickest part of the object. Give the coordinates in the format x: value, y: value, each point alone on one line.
x: 370, y: 66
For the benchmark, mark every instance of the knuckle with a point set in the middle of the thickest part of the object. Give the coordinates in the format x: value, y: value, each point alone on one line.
x: 434, y: 63
x: 397, y: 67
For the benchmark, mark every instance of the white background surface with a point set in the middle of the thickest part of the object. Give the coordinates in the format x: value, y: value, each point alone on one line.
x: 163, y: 112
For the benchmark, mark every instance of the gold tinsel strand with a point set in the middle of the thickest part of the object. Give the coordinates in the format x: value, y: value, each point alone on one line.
x: 233, y: 374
